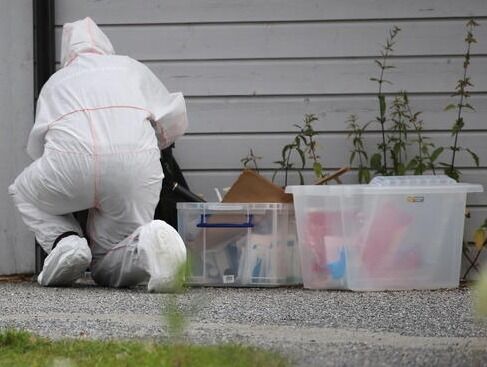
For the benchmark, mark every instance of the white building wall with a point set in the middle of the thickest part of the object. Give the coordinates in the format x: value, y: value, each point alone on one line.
x: 16, y: 118
x: 250, y: 69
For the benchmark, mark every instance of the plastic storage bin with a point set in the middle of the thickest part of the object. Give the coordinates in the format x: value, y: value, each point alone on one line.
x: 395, y: 233
x: 248, y: 244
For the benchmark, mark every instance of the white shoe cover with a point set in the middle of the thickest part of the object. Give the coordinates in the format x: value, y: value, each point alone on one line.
x: 165, y: 253
x: 66, y: 262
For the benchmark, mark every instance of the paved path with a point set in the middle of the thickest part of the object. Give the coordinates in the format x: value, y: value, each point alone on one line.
x: 313, y: 328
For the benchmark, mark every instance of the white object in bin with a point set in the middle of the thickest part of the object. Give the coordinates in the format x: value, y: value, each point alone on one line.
x: 240, y: 244
x: 401, y: 232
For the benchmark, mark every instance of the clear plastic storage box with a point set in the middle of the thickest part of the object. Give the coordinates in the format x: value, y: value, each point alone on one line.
x: 248, y: 244
x: 394, y: 233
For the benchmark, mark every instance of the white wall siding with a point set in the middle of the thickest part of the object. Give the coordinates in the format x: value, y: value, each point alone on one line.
x: 16, y: 111
x: 250, y: 69
x: 226, y: 11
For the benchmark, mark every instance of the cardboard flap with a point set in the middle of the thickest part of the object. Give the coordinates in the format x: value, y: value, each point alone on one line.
x: 250, y: 187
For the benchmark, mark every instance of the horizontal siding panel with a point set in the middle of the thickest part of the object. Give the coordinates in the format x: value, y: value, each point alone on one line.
x: 250, y: 41
x: 334, y: 149
x: 279, y: 114
x: 202, y: 11
x: 293, y: 77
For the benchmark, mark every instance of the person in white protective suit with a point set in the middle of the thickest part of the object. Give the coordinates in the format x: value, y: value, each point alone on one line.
x: 101, y: 121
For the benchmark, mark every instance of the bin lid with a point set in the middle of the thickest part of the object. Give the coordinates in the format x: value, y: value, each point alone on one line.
x: 391, y: 184
x: 233, y: 206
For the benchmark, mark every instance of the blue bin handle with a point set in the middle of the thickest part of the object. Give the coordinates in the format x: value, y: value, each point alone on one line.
x: 204, y: 224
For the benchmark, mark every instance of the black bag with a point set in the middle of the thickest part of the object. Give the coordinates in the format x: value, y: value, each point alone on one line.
x: 174, y: 189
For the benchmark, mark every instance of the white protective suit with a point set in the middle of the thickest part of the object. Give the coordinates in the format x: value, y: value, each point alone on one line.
x: 100, y: 123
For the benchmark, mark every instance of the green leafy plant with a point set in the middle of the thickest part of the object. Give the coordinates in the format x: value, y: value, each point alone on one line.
x: 286, y: 164
x: 250, y: 161
x: 426, y: 152
x: 358, y: 153
x: 380, y: 163
x: 307, y: 133
x: 400, y: 129
x: 302, y: 148
x: 462, y: 93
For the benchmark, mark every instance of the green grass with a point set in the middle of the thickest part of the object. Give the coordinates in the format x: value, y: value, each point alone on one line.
x: 19, y: 348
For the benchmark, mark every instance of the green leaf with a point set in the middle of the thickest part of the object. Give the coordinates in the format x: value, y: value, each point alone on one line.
x: 458, y: 126
x: 382, y: 105
x: 361, y: 175
x: 352, y: 157
x: 274, y: 175
x: 420, y: 168
x: 479, y: 238
x: 376, y: 162
x: 472, y: 23
x: 452, y: 172
x: 397, y: 148
x: 365, y: 175
x: 284, y: 153
x: 449, y: 107
x: 318, y: 169
x: 436, y: 153
x: 302, y: 156
x: 302, y: 138
x: 400, y: 169
x: 412, y: 164
x: 474, y: 156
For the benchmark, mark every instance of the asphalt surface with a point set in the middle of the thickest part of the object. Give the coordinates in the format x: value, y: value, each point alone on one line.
x: 312, y: 328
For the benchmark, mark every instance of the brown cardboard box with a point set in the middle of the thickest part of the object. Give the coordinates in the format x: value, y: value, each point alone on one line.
x: 250, y: 187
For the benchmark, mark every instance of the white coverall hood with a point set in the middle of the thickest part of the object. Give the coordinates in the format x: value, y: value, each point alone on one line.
x: 83, y: 36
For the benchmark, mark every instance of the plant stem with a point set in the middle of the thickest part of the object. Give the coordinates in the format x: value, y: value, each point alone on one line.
x: 382, y: 104
x: 462, y: 85
x: 286, y: 170
x: 382, y: 116
x: 460, y: 106
x: 473, y: 263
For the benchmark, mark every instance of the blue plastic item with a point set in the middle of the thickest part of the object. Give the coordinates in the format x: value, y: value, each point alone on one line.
x: 204, y: 224
x: 337, y: 268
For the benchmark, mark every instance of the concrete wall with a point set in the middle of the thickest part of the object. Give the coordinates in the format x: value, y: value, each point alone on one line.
x: 16, y: 118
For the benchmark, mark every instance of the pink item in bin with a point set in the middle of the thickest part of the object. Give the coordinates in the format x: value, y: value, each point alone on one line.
x: 321, y: 224
x: 384, y: 232
x: 324, y: 237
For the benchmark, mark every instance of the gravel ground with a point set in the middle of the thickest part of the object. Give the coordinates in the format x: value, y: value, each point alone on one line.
x: 312, y: 328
